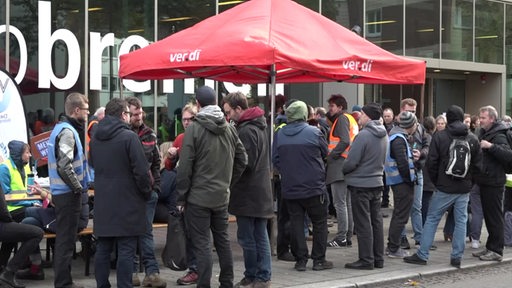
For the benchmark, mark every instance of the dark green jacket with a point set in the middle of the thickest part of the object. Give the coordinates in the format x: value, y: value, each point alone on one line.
x: 211, y: 158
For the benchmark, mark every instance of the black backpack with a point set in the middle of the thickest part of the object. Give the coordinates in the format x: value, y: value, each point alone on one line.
x: 460, y: 158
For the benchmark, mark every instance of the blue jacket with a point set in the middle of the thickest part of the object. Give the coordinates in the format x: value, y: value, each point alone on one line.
x: 399, y: 165
x: 298, y: 152
x: 79, y: 163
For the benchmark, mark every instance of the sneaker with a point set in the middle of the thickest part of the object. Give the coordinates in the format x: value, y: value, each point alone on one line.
x: 481, y: 253
x: 287, y: 256
x: 153, y: 280
x: 135, y: 280
x: 404, y: 243
x: 338, y: 243
x: 399, y: 253
x: 491, y: 256
x: 322, y: 265
x: 301, y: 265
x: 27, y: 274
x: 261, y: 284
x: 475, y: 244
x: 415, y: 259
x: 188, y: 279
x: 245, y: 282
x: 455, y: 262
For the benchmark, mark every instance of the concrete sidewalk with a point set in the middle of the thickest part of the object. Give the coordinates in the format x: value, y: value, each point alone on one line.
x: 284, y: 275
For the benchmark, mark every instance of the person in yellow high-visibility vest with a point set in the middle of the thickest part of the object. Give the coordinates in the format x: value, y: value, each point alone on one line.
x: 343, y: 131
x: 13, y: 179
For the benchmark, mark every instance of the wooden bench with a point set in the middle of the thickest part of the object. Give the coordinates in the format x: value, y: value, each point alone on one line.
x: 87, y: 241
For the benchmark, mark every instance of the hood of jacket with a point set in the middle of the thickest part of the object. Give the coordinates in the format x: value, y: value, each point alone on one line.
x: 294, y: 128
x: 16, y: 151
x: 212, y: 119
x: 255, y: 116
x: 377, y: 129
x: 457, y: 128
x: 109, y: 127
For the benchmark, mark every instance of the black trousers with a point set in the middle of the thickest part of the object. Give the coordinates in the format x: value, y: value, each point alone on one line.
x: 67, y: 210
x: 368, y: 223
x: 283, y: 222
x: 403, y: 197
x: 200, y: 221
x: 28, y: 235
x: 5, y: 251
x: 492, y: 206
x: 316, y: 208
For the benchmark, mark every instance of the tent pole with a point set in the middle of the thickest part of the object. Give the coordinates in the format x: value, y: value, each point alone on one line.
x: 272, y: 92
x: 422, y: 99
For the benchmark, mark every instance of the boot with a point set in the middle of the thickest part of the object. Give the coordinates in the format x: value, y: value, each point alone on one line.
x: 7, y: 278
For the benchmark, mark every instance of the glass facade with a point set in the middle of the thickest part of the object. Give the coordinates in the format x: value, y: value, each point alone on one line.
x: 457, y: 30
x: 61, y: 46
x: 489, y: 35
x: 422, y: 28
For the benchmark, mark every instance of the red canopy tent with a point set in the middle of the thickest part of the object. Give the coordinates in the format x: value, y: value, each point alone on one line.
x: 269, y: 41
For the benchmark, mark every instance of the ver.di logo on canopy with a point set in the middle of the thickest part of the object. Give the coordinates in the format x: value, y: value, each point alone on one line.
x: 185, y: 56
x: 365, y: 66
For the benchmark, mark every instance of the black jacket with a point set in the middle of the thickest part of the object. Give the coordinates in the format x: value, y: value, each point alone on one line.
x: 500, y: 153
x: 122, y: 182
x: 251, y: 196
x: 439, y: 156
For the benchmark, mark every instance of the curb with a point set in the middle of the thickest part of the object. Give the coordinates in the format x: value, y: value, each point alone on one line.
x: 387, y: 278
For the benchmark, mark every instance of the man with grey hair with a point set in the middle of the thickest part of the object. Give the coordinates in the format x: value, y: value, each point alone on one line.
x: 496, y: 154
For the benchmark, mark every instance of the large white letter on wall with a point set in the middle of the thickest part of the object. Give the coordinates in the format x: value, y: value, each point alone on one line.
x: 46, y: 41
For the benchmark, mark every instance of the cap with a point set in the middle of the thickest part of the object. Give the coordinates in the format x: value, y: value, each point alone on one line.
x: 206, y: 96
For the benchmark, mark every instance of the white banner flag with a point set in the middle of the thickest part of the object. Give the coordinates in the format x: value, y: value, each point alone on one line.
x: 13, y: 125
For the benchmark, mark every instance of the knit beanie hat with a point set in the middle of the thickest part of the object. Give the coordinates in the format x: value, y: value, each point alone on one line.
x: 206, y: 96
x: 356, y: 108
x: 454, y: 113
x: 298, y: 110
x: 407, y: 119
x: 373, y: 111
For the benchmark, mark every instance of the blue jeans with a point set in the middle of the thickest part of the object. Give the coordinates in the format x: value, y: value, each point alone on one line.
x: 147, y: 244
x: 126, y: 247
x: 438, y: 205
x: 253, y: 238
x: 416, y: 219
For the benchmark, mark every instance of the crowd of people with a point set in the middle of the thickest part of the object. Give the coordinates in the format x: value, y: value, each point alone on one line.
x: 321, y: 163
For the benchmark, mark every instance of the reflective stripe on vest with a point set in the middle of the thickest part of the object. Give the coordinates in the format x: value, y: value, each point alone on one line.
x: 79, y: 163
x: 353, y: 130
x: 393, y: 176
x: 279, y: 127
x: 17, y: 184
